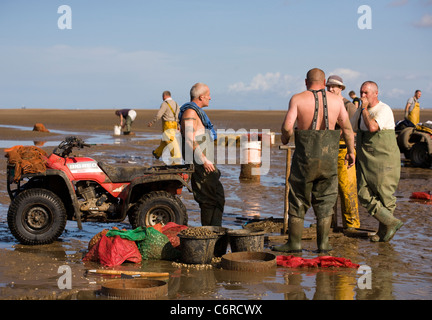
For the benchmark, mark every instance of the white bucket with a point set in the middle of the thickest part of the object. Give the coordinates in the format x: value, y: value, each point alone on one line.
x: 117, y: 130
x: 272, y: 137
x: 251, y: 152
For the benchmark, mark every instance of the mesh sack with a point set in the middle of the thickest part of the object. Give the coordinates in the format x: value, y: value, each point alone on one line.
x: 157, y: 246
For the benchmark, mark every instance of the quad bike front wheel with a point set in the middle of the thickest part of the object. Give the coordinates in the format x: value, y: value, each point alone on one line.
x: 36, y: 216
x: 158, y: 207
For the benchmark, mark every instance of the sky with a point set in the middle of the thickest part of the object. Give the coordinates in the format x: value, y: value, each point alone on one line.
x: 253, y: 54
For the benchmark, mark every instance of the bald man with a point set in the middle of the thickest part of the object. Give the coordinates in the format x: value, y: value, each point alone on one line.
x: 198, y: 141
x: 378, y: 161
x: 313, y: 179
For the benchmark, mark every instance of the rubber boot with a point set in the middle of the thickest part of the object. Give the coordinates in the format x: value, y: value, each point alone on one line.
x: 295, y: 232
x: 323, y: 230
x: 390, y: 223
x: 380, y: 233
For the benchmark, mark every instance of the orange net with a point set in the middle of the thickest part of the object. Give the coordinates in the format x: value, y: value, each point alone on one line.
x: 27, y: 159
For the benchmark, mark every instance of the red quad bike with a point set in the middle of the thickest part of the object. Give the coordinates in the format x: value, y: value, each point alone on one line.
x: 82, y: 189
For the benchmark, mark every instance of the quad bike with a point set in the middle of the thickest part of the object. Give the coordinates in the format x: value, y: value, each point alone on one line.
x: 415, y: 142
x: 82, y: 189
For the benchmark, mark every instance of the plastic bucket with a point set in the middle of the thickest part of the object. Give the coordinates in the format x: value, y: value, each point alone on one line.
x: 251, y: 152
x: 222, y: 240
x: 197, y: 250
x: 117, y: 130
x: 246, y: 240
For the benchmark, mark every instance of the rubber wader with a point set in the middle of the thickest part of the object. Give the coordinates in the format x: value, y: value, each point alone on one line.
x: 169, y: 138
x: 347, y: 182
x: 323, y: 230
x: 313, y: 181
x: 378, y: 174
x: 414, y: 115
x: 207, y: 189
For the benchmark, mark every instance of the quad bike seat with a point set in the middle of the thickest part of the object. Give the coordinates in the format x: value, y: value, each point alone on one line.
x: 119, y: 174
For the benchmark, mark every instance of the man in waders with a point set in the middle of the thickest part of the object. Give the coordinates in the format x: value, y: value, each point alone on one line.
x: 347, y: 180
x: 198, y: 147
x: 412, y: 109
x: 378, y: 161
x: 314, y: 177
x: 168, y: 112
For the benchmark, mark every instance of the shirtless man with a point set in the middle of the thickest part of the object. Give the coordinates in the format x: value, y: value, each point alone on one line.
x: 198, y: 141
x: 302, y: 106
x: 313, y: 179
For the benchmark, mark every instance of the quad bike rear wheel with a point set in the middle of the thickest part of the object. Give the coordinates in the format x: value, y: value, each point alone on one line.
x: 36, y: 216
x: 403, y: 141
x: 158, y: 207
x: 420, y: 156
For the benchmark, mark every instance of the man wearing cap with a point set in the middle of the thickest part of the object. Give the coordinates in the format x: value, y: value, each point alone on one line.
x: 346, y: 176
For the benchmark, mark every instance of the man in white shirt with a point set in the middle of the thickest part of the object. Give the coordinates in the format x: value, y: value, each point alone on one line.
x: 378, y: 161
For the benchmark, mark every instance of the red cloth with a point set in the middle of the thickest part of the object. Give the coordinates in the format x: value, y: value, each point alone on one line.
x: 422, y: 195
x: 113, y: 251
x: 171, y: 230
x: 323, y: 262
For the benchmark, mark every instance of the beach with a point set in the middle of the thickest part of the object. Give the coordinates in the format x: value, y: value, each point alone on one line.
x: 400, y: 269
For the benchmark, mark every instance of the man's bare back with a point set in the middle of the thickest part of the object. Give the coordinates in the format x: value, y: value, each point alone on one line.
x: 302, y: 108
x: 304, y: 102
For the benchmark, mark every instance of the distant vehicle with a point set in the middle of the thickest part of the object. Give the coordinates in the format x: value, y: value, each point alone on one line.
x: 415, y: 142
x: 82, y: 189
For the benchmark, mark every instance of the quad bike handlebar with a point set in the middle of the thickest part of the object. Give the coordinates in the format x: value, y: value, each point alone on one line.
x: 65, y: 147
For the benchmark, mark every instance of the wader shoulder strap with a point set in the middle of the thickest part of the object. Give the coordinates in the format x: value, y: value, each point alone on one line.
x: 171, y: 108
x: 315, y: 118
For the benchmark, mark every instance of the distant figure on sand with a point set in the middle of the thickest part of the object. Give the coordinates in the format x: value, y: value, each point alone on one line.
x: 378, y: 161
x: 168, y: 112
x: 355, y: 100
x: 314, y: 177
x: 127, y: 117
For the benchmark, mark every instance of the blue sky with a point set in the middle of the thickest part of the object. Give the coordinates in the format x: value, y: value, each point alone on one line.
x: 253, y: 54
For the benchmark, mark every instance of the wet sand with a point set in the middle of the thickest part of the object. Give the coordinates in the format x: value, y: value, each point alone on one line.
x: 401, y: 269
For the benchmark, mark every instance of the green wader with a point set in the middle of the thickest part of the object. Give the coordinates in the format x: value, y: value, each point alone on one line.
x: 207, y: 189
x: 313, y: 181
x: 378, y: 174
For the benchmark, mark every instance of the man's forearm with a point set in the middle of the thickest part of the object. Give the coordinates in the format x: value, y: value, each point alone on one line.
x: 286, y: 135
x: 370, y: 123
